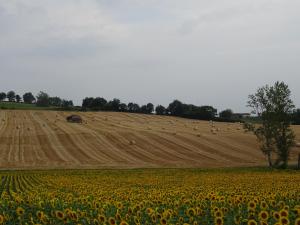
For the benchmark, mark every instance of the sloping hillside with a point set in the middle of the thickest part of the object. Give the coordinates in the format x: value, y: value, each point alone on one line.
x: 43, y: 139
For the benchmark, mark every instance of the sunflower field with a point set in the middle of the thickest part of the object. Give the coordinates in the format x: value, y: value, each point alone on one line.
x: 150, y: 196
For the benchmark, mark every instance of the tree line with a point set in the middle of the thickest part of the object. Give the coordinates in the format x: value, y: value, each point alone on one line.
x: 42, y: 99
x: 175, y: 108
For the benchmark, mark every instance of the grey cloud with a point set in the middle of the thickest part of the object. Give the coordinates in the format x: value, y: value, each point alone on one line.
x: 199, y: 51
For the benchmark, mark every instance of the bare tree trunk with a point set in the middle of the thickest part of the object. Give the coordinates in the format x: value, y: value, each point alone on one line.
x: 299, y: 161
x: 270, y: 159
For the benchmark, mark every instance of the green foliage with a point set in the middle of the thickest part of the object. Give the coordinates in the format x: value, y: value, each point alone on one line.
x: 18, y: 98
x: 296, y: 117
x: 55, y: 101
x: 28, y: 98
x: 133, y: 107
x: 177, y: 108
x: 274, y: 106
x: 147, y: 109
x: 2, y: 96
x: 21, y: 106
x: 160, y: 110
x: 11, y: 95
x: 226, y: 114
x: 43, y: 99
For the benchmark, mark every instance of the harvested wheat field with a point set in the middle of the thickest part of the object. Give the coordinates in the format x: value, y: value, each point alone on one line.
x: 44, y: 139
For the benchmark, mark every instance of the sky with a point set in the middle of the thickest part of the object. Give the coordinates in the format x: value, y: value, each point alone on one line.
x: 203, y: 52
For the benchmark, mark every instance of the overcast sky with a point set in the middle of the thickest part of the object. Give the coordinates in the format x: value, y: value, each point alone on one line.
x: 202, y: 52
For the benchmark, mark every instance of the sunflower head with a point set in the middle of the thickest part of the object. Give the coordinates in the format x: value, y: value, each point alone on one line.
x: 20, y: 211
x: 59, y: 215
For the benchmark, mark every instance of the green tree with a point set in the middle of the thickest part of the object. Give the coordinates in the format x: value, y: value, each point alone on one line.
x: 18, y: 98
x: 296, y: 117
x: 98, y: 103
x: 2, y: 96
x: 176, y: 108
x: 114, y: 105
x: 87, y: 102
x: 150, y: 108
x: 11, y: 95
x: 274, y: 106
x: 133, y: 107
x: 55, y: 101
x: 66, y: 104
x: 42, y: 99
x: 28, y: 98
x: 160, y: 110
x: 226, y: 114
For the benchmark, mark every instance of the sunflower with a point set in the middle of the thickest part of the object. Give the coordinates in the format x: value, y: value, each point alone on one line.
x: 219, y: 214
x: 118, y: 216
x: 251, y: 205
x: 263, y: 215
x: 149, y: 211
x: 39, y: 215
x: 276, y: 215
x: 219, y: 221
x: 20, y: 211
x: 111, y: 221
x: 59, y: 215
x: 102, y: 218
x: 237, y: 219
x: 283, y: 213
x: 297, y: 211
x: 1, y: 219
x: 123, y: 223
x: 153, y: 218
x: 252, y: 222
x: 263, y: 222
x: 191, y: 212
x: 263, y: 205
x: 284, y: 220
x: 119, y: 205
x: 181, y: 219
x: 297, y: 222
x: 163, y: 221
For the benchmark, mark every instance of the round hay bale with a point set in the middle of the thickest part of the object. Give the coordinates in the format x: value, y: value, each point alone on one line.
x: 198, y: 135
x: 195, y: 128
x: 298, y: 144
x: 132, y: 142
x: 149, y: 128
x: 28, y: 128
x: 18, y: 127
x: 218, y: 129
x: 174, y: 133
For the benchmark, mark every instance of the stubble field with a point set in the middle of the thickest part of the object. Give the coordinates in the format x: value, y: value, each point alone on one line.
x: 43, y: 139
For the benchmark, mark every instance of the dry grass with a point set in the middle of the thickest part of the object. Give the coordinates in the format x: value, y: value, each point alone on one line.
x: 31, y: 139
